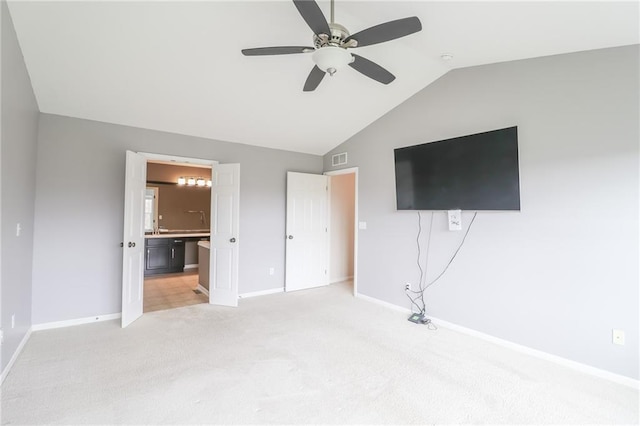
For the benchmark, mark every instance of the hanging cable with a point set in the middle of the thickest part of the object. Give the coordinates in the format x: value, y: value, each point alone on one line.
x: 426, y: 265
x: 418, y: 299
x: 454, y: 254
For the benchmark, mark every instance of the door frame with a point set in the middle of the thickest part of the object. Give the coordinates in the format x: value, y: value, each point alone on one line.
x: 350, y: 170
x: 178, y: 160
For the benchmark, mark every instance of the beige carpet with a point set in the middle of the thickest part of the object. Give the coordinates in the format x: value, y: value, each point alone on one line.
x: 315, y: 356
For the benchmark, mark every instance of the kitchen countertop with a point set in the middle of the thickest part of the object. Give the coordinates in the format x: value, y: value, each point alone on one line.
x: 178, y: 235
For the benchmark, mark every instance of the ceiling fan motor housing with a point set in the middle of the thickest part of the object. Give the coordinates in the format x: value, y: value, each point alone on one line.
x: 336, y: 38
x: 331, y: 50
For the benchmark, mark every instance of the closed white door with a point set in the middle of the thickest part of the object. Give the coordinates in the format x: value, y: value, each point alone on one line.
x: 225, y: 218
x: 133, y: 238
x: 307, y: 236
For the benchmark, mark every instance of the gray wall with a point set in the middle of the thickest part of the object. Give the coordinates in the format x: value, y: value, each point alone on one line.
x: 19, y: 140
x: 560, y: 274
x: 79, y: 211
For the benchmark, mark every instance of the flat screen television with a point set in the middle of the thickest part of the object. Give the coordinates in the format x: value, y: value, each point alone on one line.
x: 474, y: 172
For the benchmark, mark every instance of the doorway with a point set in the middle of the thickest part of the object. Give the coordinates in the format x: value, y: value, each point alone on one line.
x: 343, y: 226
x: 224, y: 228
x: 177, y: 215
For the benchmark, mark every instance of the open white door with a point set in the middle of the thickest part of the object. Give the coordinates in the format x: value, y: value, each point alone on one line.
x: 133, y: 239
x: 307, y: 236
x: 225, y: 217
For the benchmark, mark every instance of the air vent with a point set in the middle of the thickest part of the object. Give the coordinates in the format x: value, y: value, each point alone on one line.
x: 339, y: 159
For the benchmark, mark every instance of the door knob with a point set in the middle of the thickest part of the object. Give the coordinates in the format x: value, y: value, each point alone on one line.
x: 133, y: 244
x: 233, y: 240
x: 129, y: 245
x: 290, y: 237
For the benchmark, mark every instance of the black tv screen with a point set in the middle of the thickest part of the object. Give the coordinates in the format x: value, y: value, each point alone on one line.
x: 474, y: 172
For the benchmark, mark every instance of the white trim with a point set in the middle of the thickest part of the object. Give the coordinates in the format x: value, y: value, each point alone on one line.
x: 383, y: 303
x: 203, y: 290
x: 13, y: 359
x: 584, y: 368
x: 191, y: 266
x: 178, y: 160
x: 341, y: 279
x: 261, y: 293
x: 574, y: 365
x: 347, y: 171
x: 77, y: 321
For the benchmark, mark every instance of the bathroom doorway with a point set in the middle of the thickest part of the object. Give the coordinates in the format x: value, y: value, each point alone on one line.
x: 177, y: 217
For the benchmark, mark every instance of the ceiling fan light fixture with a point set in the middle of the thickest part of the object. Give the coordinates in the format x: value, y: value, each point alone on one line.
x: 331, y: 58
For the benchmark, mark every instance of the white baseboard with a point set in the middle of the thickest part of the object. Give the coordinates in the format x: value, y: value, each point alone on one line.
x: 341, y: 279
x: 13, y: 359
x: 191, y: 266
x: 261, y: 293
x: 78, y: 321
x: 203, y: 290
x: 584, y: 368
x: 383, y: 303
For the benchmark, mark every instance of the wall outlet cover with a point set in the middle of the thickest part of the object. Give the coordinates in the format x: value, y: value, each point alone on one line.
x: 455, y: 220
x: 618, y: 337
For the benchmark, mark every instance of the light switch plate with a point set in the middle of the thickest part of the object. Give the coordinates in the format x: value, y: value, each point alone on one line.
x: 362, y: 225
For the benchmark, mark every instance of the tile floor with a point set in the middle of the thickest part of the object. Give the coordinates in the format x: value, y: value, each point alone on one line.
x: 170, y: 291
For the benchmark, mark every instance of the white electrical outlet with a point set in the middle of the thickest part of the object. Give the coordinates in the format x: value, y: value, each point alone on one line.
x: 455, y: 220
x: 272, y: 271
x: 362, y: 225
x: 618, y: 337
x: 13, y: 321
x: 18, y: 229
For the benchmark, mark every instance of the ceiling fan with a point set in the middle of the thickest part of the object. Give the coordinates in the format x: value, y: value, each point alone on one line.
x: 332, y: 40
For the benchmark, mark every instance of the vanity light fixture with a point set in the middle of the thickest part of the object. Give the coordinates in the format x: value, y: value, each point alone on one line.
x: 193, y: 181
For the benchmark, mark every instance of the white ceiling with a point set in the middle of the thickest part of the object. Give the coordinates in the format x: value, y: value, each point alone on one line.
x: 176, y: 66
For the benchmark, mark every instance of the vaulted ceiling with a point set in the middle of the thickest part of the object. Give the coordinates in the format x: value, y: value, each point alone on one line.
x: 176, y: 66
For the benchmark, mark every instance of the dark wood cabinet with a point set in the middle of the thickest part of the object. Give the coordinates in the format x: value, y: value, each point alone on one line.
x: 163, y: 255
x: 177, y: 254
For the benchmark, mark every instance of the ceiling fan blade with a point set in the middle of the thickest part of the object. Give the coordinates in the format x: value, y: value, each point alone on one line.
x: 313, y: 16
x: 388, y: 31
x: 279, y: 50
x: 371, y: 70
x: 315, y: 77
